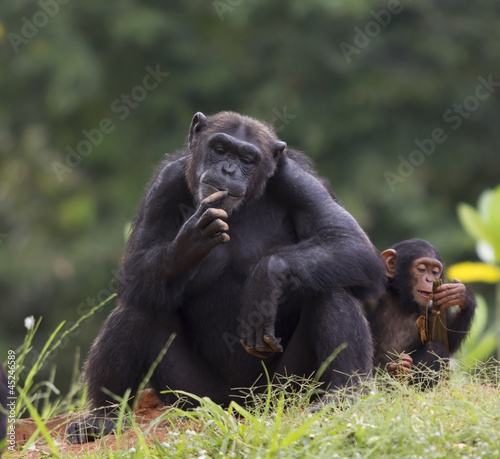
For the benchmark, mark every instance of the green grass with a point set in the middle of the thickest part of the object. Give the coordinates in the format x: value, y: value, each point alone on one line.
x: 460, y: 418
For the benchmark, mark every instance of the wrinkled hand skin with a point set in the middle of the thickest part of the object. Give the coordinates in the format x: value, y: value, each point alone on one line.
x: 265, y: 347
x: 401, y: 369
x: 448, y: 295
x: 204, y: 230
x: 89, y: 429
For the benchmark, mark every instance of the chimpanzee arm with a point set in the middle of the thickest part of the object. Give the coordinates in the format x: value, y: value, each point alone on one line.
x: 332, y: 252
x: 164, y: 244
x: 459, y: 323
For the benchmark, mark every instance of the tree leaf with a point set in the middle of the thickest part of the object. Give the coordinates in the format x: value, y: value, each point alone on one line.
x: 494, y: 220
x: 484, y: 204
x: 472, y: 223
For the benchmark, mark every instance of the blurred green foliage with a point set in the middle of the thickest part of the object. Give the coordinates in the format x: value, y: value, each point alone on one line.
x: 482, y: 341
x: 483, y: 225
x: 74, y: 79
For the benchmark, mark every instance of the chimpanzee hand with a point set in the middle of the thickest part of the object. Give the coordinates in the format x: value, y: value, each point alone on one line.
x: 260, y: 340
x: 401, y: 369
x: 204, y: 230
x: 260, y: 307
x: 448, y: 295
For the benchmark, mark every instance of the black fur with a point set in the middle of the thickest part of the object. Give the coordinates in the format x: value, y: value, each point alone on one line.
x: 297, y: 267
x: 393, y: 319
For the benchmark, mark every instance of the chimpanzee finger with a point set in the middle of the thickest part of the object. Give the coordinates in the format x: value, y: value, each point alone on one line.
x: 392, y: 367
x: 406, y: 359
x: 447, y: 289
x: 211, y: 201
x: 261, y: 344
x: 404, y: 366
x: 452, y: 299
x: 216, y: 226
x: 220, y: 238
x: 273, y: 342
x: 247, y: 336
x: 445, y: 298
x: 451, y: 303
x: 253, y: 351
x: 209, y: 216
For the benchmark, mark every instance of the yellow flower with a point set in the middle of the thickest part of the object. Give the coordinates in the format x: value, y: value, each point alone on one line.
x: 474, y: 272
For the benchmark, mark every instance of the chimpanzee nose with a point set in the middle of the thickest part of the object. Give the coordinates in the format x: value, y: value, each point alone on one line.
x: 229, y: 168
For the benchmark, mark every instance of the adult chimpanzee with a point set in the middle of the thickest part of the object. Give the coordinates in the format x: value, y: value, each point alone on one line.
x: 401, y: 320
x: 266, y: 255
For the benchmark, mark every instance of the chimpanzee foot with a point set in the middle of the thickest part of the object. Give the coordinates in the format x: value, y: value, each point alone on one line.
x: 89, y: 429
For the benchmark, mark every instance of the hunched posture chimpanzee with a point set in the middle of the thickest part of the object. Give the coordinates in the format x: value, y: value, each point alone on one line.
x: 411, y: 268
x: 268, y: 256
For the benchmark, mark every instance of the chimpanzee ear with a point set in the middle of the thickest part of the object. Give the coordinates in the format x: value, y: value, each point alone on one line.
x: 278, y: 149
x: 389, y: 256
x: 198, y: 123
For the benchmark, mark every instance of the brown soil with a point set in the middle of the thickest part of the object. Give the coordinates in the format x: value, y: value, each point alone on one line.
x: 149, y: 407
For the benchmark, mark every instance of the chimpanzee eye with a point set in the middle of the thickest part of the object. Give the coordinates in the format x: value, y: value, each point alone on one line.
x: 246, y: 160
x: 219, y: 150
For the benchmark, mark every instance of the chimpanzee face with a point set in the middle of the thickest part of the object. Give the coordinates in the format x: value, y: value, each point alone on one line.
x: 231, y: 153
x: 229, y: 164
x: 411, y: 271
x: 423, y: 272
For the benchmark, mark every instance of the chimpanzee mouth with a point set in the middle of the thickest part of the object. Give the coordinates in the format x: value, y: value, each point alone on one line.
x: 424, y: 293
x: 212, y: 189
x: 229, y: 195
